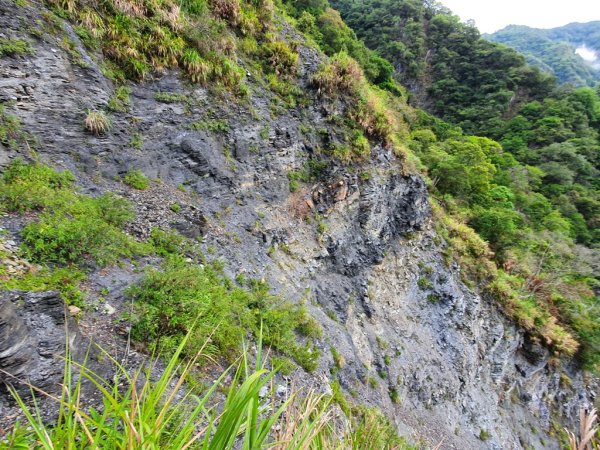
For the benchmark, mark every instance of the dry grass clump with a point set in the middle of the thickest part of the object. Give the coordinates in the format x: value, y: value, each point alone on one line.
x: 587, y: 430
x: 198, y: 69
x: 228, y: 10
x: 97, y: 122
x: 373, y: 117
x: 134, y: 8
x: 172, y: 17
x: 343, y: 75
x: 281, y: 58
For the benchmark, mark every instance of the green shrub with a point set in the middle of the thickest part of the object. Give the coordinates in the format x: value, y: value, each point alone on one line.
x: 338, y: 397
x: 120, y: 101
x: 198, y: 69
x: 288, y: 91
x: 424, y: 283
x: 65, y: 280
x: 294, y: 184
x: 79, y: 233
x: 136, y: 179
x: 170, y: 300
x: 166, y: 242
x: 11, y: 133
x: 433, y: 298
x: 72, y: 228
x: 136, y: 141
x: 361, y: 148
x: 342, y: 76
x: 394, y: 395
x: 338, y: 359
x: 215, y: 125
x: 310, y: 172
x: 280, y: 58
x: 11, y: 47
x: 34, y: 186
x: 382, y: 343
x: 169, y: 97
x: 282, y: 365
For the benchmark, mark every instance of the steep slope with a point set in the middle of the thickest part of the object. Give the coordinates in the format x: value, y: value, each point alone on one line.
x: 356, y: 238
x: 484, y: 88
x: 452, y: 72
x: 556, y: 50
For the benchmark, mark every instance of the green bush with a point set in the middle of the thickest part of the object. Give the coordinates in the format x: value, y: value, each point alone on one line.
x: 72, y: 228
x: 120, y: 101
x: 11, y: 132
x: 338, y: 397
x: 11, y: 47
x: 424, y: 283
x: 136, y: 179
x: 170, y: 97
x: 311, y: 171
x: 341, y: 76
x: 166, y: 242
x: 280, y: 58
x: 86, y: 231
x: 34, y: 186
x: 171, y: 300
x: 65, y: 280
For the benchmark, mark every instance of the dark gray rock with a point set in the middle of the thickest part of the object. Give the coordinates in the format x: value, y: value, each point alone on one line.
x: 35, y: 331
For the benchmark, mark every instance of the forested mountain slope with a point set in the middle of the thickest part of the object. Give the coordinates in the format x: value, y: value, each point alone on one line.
x: 546, y: 132
x: 555, y: 50
x: 237, y: 169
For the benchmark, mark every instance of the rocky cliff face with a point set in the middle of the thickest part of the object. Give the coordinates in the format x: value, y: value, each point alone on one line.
x: 357, y: 243
x: 34, y: 332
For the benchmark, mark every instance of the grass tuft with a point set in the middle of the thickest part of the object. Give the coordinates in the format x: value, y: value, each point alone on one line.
x: 97, y: 122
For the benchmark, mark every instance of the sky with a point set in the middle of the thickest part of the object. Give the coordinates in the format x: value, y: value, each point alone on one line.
x: 492, y: 15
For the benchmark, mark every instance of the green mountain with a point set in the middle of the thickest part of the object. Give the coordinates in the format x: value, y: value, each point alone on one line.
x: 449, y: 68
x: 557, y: 50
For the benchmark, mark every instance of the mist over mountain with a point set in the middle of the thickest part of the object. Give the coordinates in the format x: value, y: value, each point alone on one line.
x: 571, y: 52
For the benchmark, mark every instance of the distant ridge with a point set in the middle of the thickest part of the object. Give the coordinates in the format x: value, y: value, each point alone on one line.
x: 558, y: 50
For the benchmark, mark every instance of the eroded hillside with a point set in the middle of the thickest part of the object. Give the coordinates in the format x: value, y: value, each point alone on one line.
x: 251, y: 153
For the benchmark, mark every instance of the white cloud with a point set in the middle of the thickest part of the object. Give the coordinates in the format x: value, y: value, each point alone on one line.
x: 492, y: 15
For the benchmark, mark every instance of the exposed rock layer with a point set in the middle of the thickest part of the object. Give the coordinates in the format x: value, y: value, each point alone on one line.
x: 32, y: 338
